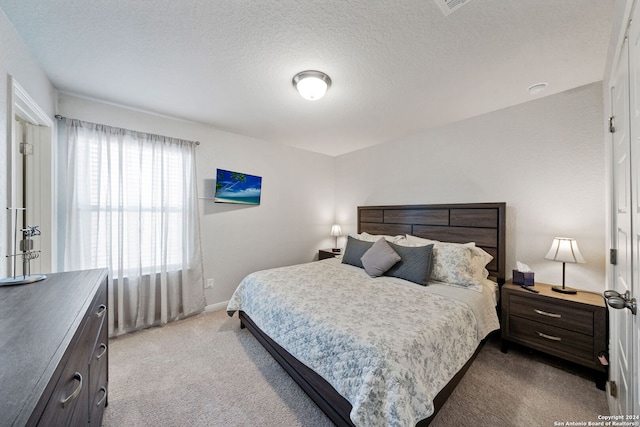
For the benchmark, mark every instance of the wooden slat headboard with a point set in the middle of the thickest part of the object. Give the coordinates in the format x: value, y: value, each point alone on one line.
x: 482, y: 223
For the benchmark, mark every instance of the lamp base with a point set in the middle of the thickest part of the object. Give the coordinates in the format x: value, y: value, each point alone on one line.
x: 22, y: 280
x: 564, y: 290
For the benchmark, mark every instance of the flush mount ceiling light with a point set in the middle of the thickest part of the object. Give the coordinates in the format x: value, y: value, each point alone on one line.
x: 311, y: 85
x: 537, y: 88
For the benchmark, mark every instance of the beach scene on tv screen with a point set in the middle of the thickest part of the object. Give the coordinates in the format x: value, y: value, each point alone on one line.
x: 235, y: 187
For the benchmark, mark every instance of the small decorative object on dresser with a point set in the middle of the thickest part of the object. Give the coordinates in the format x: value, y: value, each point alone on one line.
x: 327, y: 253
x: 26, y: 253
x: 572, y: 327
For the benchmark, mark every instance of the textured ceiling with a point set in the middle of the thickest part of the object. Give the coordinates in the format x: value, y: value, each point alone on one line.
x: 397, y: 67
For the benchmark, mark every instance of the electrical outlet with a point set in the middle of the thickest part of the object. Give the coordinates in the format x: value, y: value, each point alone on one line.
x: 209, y: 283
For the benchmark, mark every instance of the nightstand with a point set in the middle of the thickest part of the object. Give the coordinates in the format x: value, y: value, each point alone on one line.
x: 571, y: 327
x: 327, y: 253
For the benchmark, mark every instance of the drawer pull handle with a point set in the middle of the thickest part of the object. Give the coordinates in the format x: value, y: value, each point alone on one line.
x: 76, y: 392
x: 549, y: 337
x: 101, y: 401
x: 544, y: 313
x: 101, y: 310
x: 103, y: 346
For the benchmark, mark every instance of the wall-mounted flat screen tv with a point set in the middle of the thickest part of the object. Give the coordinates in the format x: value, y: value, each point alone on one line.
x: 235, y: 187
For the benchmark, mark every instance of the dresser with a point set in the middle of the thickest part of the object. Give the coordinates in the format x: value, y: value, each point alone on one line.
x: 571, y: 327
x: 53, y: 350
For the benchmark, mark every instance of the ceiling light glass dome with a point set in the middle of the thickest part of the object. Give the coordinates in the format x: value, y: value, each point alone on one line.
x: 312, y: 85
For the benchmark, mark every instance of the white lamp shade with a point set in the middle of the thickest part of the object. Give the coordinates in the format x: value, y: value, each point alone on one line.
x: 565, y: 249
x: 336, y: 231
x: 312, y: 85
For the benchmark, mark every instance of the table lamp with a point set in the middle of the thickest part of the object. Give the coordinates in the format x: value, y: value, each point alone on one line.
x: 564, y: 249
x: 336, y: 231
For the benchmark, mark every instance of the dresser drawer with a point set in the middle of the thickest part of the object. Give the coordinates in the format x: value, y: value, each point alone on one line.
x: 98, y: 361
x: 69, y: 397
x: 98, y: 372
x: 552, y: 314
x: 552, y: 339
x: 97, y: 313
x: 99, y: 400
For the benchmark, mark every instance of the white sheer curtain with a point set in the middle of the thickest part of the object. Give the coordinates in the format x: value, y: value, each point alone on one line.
x: 132, y: 208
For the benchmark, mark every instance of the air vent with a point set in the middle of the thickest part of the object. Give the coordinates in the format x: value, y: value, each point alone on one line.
x: 450, y: 6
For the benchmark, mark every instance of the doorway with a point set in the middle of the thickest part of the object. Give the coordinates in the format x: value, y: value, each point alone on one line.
x: 31, y: 183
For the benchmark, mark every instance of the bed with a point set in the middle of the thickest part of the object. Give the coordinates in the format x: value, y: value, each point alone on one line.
x: 381, y: 350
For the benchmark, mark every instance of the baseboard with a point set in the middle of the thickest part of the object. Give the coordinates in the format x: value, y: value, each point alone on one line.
x: 216, y: 307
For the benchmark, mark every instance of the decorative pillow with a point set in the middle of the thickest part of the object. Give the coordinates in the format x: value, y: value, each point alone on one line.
x: 452, y: 264
x: 479, y: 257
x: 354, y: 250
x: 415, y: 264
x: 379, y: 258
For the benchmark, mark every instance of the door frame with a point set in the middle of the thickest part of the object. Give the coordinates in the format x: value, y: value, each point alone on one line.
x: 22, y: 105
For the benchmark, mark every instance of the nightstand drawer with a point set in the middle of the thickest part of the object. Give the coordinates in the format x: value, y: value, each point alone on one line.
x: 554, y: 340
x: 556, y: 315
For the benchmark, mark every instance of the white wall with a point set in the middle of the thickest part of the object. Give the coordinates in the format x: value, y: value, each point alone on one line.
x: 297, y: 204
x: 16, y: 61
x: 544, y: 158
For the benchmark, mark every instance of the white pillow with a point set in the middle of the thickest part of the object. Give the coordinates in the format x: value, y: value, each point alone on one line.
x: 480, y: 259
x: 374, y: 237
x: 415, y: 240
x: 403, y: 241
x: 424, y: 241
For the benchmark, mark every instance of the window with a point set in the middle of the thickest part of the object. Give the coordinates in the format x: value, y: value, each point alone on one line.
x: 131, y: 206
x: 124, y: 191
x: 129, y: 191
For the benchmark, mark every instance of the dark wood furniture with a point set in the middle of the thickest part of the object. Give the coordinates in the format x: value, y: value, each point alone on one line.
x: 53, y: 350
x: 571, y: 327
x: 327, y: 253
x: 483, y: 223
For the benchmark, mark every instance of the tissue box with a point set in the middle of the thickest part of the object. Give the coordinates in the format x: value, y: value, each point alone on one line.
x: 523, y: 278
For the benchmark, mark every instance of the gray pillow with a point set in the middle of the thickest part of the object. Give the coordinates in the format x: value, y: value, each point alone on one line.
x: 415, y: 265
x: 379, y: 258
x: 354, y: 250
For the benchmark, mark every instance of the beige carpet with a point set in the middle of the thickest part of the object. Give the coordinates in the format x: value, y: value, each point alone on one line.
x: 205, y: 371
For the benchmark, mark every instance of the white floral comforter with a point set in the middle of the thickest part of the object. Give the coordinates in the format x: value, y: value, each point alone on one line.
x: 386, y: 345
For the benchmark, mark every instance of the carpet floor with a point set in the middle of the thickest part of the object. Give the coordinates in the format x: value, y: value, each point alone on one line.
x: 206, y: 371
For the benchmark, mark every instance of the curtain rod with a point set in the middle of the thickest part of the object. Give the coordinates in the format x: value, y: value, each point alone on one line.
x: 59, y: 117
